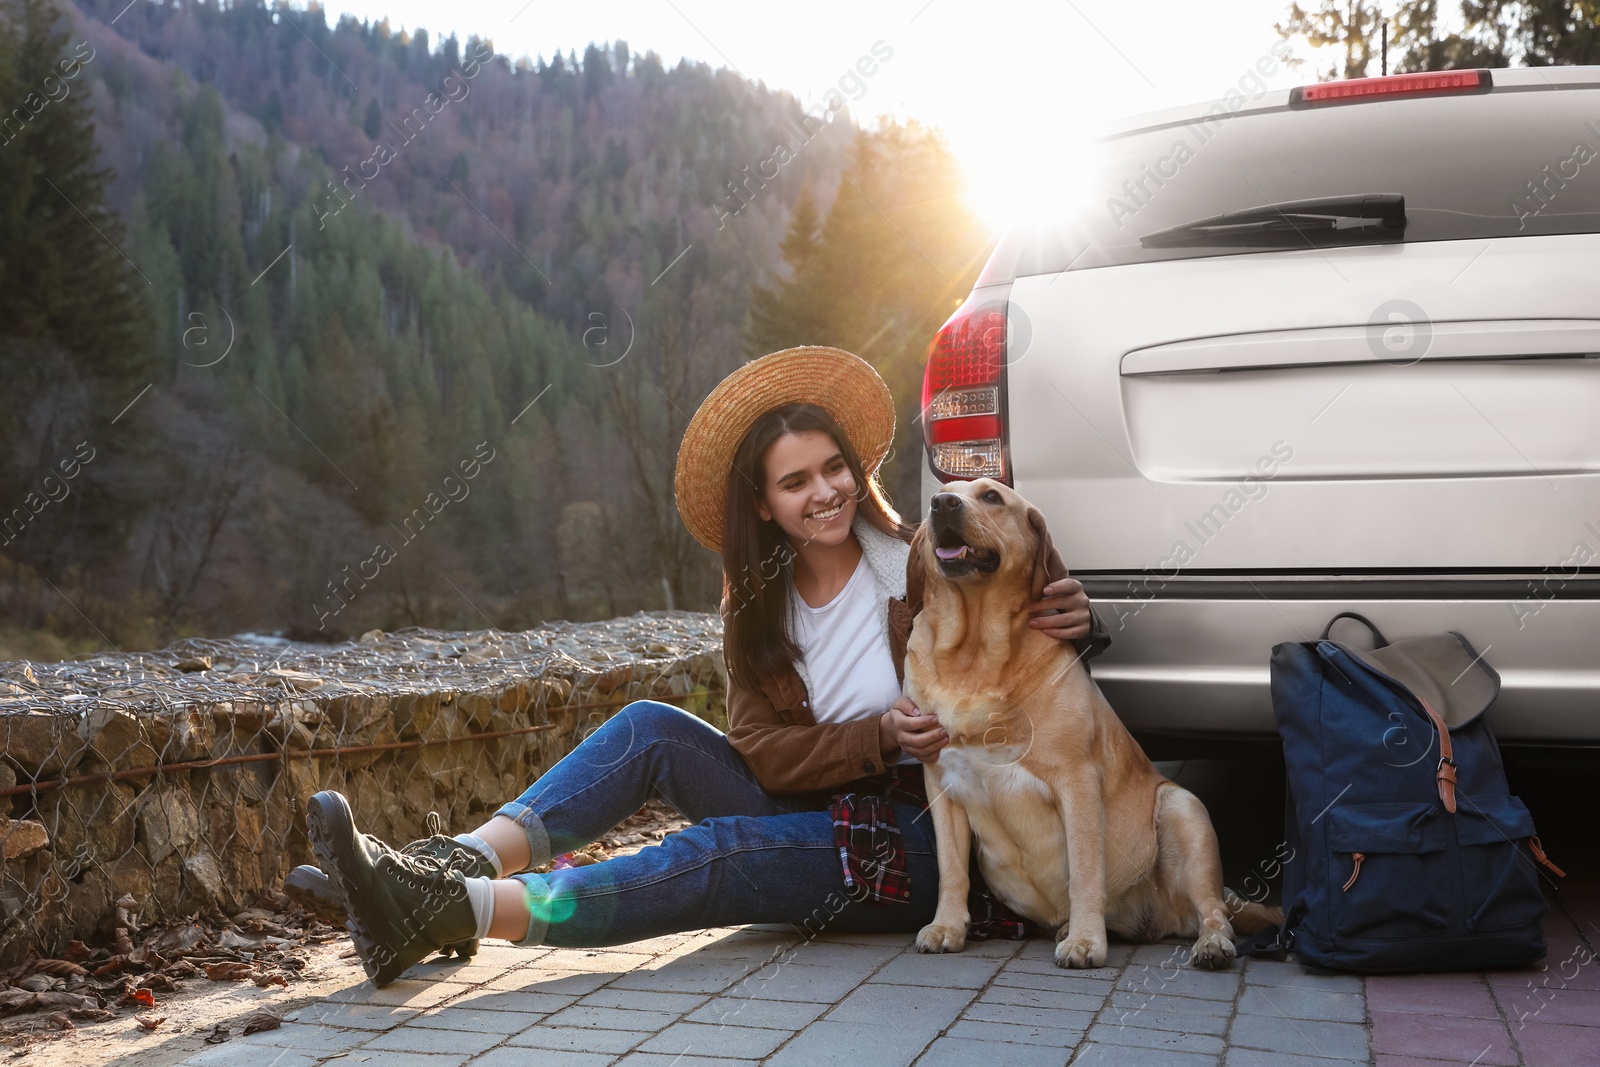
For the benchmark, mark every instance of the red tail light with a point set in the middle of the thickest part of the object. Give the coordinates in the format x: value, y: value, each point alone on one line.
x: 963, y: 420
x: 1431, y: 83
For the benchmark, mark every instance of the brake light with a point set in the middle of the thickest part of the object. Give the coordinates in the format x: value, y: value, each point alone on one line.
x: 1430, y: 83
x: 972, y: 428
x: 967, y: 350
x: 962, y: 419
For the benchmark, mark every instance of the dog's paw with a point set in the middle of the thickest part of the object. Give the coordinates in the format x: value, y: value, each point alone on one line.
x: 1213, y: 951
x: 940, y: 938
x: 1081, y: 952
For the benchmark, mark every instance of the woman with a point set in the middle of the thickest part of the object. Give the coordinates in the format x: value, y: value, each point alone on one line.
x: 778, y: 472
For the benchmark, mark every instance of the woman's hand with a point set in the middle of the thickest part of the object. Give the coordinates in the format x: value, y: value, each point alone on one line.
x: 1068, y: 598
x: 905, y: 727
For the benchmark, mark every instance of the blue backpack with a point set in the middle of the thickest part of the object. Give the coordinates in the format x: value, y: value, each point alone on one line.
x: 1410, y: 853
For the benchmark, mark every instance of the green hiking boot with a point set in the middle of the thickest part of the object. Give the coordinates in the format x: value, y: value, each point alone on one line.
x: 314, y: 891
x: 403, y: 907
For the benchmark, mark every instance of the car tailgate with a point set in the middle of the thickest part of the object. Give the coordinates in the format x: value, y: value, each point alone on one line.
x: 1334, y: 409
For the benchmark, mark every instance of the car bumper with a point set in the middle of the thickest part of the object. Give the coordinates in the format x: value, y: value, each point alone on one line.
x: 1197, y: 665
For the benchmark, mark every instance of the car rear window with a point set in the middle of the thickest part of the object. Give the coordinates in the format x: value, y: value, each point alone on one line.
x: 1515, y: 162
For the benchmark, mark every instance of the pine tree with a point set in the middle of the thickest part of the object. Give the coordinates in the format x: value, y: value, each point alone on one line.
x: 801, y: 240
x: 14, y: 170
x: 65, y: 276
x: 879, y: 273
x: 781, y: 315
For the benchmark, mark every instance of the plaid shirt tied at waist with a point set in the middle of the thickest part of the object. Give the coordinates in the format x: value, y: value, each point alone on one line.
x: 873, y: 854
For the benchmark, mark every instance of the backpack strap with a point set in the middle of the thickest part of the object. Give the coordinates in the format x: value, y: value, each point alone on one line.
x: 1447, y: 766
x: 1378, y: 639
x: 1538, y: 854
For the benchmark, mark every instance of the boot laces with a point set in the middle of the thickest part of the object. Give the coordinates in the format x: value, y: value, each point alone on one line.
x: 430, y: 865
x: 431, y: 846
x: 425, y: 868
x: 445, y: 852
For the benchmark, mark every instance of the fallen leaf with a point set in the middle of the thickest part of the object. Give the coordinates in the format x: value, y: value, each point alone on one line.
x: 111, y: 966
x: 64, y: 1000
x: 149, y: 1022
x: 124, y: 943
x: 179, y: 939
x: 232, y: 939
x: 224, y: 972
x: 140, y: 996
x: 94, y: 1015
x: 218, y: 1035
x: 275, y: 978
x: 182, y: 969
x: 57, y: 967
x: 262, y: 1020
x: 59, y: 1020
x: 77, y: 950
x: 158, y: 981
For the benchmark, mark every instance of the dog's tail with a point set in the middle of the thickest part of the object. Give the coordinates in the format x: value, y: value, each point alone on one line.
x: 1247, y: 916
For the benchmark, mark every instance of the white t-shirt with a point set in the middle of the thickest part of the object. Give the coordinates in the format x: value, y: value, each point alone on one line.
x: 846, y: 653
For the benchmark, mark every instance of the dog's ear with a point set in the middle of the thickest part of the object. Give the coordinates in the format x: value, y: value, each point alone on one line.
x: 1047, y: 563
x: 916, y: 568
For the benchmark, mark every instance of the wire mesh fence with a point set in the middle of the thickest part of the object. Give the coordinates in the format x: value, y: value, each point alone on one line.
x: 180, y: 777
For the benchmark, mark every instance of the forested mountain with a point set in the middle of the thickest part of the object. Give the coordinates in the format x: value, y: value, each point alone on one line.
x: 375, y: 329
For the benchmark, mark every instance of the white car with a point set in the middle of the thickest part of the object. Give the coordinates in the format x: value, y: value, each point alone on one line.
x: 1338, y: 349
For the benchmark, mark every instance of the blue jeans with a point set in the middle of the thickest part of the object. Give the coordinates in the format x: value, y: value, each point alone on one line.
x: 750, y: 857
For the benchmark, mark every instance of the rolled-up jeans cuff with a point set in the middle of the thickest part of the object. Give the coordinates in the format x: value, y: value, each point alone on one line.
x: 533, y: 826
x: 537, y: 891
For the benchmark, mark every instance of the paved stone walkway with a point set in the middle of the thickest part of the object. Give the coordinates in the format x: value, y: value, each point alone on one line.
x: 722, y: 997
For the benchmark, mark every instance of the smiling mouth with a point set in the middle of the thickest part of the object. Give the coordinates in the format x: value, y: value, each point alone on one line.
x: 829, y: 515
x: 956, y: 557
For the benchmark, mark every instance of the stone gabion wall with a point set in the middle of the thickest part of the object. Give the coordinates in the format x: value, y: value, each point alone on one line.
x: 180, y: 777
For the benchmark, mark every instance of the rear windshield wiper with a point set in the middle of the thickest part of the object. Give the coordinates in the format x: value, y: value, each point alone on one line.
x: 1380, y: 216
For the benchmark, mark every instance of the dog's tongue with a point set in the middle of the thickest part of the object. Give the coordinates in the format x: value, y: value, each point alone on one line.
x: 950, y: 553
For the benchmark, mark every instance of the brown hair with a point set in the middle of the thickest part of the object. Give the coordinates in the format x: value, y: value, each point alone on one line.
x: 756, y: 552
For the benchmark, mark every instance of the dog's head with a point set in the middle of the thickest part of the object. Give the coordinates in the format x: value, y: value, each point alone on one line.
x: 983, y: 531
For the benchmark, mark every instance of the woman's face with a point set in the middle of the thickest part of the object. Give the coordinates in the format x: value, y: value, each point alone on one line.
x: 810, y: 490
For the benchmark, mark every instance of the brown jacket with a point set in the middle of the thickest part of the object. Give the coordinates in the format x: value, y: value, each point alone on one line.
x: 771, y: 725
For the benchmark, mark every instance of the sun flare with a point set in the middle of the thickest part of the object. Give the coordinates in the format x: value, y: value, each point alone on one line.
x: 1028, y: 178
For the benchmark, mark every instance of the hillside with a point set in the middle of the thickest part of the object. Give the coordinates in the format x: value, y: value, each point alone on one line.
x: 364, y: 255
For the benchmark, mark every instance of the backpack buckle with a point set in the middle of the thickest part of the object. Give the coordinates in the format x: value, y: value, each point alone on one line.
x: 1446, y: 777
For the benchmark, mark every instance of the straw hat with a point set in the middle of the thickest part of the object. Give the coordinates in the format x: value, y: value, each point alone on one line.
x: 843, y: 385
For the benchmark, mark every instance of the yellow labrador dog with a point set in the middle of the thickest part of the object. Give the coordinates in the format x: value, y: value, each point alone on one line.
x: 1075, y: 829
